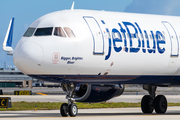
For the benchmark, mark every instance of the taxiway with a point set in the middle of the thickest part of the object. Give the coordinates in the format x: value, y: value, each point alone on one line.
x: 173, y: 113
x: 62, y: 98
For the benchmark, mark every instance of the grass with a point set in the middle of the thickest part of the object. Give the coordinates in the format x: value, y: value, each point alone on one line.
x: 17, y: 106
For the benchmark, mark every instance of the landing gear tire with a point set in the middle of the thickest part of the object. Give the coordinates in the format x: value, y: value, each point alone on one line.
x: 147, y: 104
x: 70, y: 108
x: 160, y: 104
x: 64, y: 110
x: 73, y: 110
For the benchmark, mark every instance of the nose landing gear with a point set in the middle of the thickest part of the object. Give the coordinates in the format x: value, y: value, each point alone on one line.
x: 151, y: 102
x: 70, y: 108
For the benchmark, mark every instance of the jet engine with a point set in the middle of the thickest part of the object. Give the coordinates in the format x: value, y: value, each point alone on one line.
x: 97, y: 93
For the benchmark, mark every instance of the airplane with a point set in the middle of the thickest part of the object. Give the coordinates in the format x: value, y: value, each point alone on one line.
x: 93, y: 54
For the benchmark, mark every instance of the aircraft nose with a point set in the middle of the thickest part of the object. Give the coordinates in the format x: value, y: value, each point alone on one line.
x: 28, y: 57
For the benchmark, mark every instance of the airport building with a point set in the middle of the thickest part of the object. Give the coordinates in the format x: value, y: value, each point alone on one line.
x: 15, y: 78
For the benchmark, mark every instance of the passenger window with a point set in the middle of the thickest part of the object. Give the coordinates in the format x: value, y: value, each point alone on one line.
x: 132, y: 35
x: 116, y: 35
x: 43, y: 31
x: 164, y: 37
x: 29, y: 32
x: 128, y: 35
x: 159, y: 37
x: 59, y: 32
x: 137, y: 36
x: 146, y: 36
x: 124, y: 36
x: 69, y: 32
x: 109, y: 36
x: 150, y: 36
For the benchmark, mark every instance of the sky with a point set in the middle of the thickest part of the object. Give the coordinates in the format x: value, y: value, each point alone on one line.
x: 27, y: 11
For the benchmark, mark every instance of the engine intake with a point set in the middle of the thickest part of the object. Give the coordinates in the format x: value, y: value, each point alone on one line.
x: 98, y: 93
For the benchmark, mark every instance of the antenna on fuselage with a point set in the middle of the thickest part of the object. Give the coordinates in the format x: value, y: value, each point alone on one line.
x: 72, y: 7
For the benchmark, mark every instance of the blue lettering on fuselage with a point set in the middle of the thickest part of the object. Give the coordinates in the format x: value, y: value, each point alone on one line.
x: 132, y: 35
x: 116, y: 39
x: 133, y: 31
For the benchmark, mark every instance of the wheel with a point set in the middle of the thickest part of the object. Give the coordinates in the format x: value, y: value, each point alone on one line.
x: 73, y: 110
x: 160, y: 104
x: 64, y: 110
x: 147, y: 104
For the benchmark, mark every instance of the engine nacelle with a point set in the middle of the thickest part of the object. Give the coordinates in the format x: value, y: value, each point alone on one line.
x: 98, y: 93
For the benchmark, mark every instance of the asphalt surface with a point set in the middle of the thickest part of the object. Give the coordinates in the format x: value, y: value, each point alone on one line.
x: 132, y: 94
x: 62, y: 98
x: 130, y: 90
x: 35, y: 90
x: 173, y: 113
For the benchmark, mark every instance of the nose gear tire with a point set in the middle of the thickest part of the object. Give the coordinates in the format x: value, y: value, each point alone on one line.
x: 73, y: 110
x: 64, y: 110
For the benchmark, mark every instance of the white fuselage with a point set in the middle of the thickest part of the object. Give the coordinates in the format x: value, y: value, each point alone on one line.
x: 105, y: 43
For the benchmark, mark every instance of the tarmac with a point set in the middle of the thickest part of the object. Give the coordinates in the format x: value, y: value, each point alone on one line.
x: 173, y: 113
x: 131, y: 95
x: 129, y: 90
x: 62, y: 98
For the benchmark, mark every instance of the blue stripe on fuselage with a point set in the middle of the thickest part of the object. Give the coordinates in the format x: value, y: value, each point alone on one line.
x: 112, y: 79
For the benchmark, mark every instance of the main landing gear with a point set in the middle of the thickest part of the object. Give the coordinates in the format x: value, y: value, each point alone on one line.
x: 151, y: 102
x: 70, y: 108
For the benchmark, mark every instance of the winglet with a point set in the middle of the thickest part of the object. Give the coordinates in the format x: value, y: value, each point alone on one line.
x: 72, y: 7
x: 7, y: 44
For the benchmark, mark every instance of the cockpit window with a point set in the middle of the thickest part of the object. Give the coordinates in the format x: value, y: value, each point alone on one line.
x: 59, y: 32
x: 43, y: 31
x: 29, y: 32
x: 69, y: 32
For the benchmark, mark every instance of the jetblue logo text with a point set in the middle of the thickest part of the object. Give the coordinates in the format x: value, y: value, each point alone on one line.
x: 129, y: 32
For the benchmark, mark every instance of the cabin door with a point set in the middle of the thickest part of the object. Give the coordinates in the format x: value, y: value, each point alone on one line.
x: 98, y: 40
x: 174, y: 39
